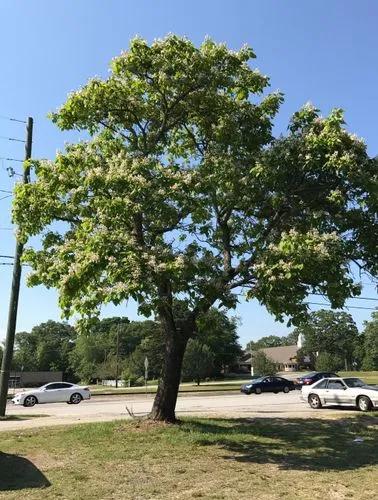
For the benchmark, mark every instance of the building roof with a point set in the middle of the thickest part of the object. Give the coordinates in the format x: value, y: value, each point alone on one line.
x: 282, y: 354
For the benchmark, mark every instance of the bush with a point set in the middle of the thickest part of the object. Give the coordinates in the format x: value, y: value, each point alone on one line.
x: 198, y: 361
x: 262, y: 364
x: 129, y: 377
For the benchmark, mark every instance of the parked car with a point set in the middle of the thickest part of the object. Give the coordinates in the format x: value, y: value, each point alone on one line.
x: 338, y: 391
x: 313, y: 377
x: 268, y: 384
x: 53, y: 393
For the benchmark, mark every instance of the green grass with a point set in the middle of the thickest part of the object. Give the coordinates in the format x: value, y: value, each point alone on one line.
x: 213, y: 386
x: 368, y: 377
x: 205, y: 387
x: 201, y: 458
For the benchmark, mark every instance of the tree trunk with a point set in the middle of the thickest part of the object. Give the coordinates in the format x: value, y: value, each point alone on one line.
x: 164, y: 405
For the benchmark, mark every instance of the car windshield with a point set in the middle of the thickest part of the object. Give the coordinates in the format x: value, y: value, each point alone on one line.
x: 311, y: 374
x: 256, y: 380
x: 354, y: 382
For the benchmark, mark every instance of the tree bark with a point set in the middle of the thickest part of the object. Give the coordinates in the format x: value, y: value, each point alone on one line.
x: 164, y: 405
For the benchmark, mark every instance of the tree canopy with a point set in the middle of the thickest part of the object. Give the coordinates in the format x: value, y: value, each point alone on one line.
x: 331, y: 333
x: 215, y: 330
x: 370, y: 335
x: 326, y: 361
x: 182, y: 192
x: 270, y: 341
x: 198, y: 361
x: 46, y: 347
x: 97, y: 343
x: 219, y: 332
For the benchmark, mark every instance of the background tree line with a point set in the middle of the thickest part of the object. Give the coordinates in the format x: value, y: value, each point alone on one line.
x: 92, y: 355
x: 331, y: 341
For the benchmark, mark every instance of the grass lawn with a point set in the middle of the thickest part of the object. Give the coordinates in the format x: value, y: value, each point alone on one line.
x: 225, y: 385
x: 201, y: 458
x: 368, y: 377
x: 187, y: 387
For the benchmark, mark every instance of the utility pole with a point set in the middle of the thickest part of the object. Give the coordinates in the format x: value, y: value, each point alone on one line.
x: 15, y: 291
x: 145, y: 372
x: 117, y: 357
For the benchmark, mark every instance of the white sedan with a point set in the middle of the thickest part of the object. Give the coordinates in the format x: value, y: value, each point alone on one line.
x: 55, y: 392
x: 349, y: 391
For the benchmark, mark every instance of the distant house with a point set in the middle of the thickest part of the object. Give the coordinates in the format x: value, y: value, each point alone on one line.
x: 33, y: 379
x: 285, y: 357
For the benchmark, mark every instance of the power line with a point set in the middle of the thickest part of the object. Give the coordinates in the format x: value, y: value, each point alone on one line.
x: 6, y: 257
x: 350, y: 298
x: 11, y: 264
x: 7, y: 196
x: 345, y: 307
x: 5, y: 191
x: 11, y: 139
x: 11, y: 159
x: 12, y: 119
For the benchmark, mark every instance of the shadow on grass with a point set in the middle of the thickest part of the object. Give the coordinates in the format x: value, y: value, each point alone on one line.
x: 11, y: 418
x: 18, y: 473
x: 293, y: 443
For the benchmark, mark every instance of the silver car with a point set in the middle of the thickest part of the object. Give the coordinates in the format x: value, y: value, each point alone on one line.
x: 54, y: 392
x: 349, y: 391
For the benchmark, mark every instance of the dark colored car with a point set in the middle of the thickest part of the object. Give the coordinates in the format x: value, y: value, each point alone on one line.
x: 313, y: 377
x: 268, y: 384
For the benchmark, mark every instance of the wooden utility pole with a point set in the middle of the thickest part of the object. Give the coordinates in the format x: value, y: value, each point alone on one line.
x: 117, y: 358
x: 15, y: 291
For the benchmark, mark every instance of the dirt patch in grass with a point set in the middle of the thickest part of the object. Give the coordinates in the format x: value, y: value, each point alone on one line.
x: 230, y: 459
x: 45, y: 461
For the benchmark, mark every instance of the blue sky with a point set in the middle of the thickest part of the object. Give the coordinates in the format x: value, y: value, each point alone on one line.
x: 323, y: 52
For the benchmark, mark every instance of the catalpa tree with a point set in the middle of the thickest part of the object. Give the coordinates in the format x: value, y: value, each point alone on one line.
x: 182, y: 194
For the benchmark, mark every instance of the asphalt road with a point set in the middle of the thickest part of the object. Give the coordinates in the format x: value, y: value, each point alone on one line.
x: 105, y: 408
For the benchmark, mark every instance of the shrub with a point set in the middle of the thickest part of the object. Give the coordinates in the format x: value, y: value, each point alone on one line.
x: 262, y: 364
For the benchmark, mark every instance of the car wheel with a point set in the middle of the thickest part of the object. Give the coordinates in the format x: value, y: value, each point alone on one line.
x: 30, y: 401
x: 75, y: 398
x: 314, y: 401
x: 258, y: 390
x: 364, y: 403
x: 286, y: 389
